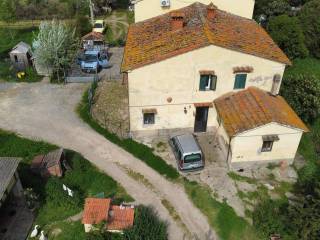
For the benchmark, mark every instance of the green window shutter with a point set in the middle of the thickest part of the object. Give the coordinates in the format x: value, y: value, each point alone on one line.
x: 203, y: 82
x: 240, y: 81
x: 213, y: 82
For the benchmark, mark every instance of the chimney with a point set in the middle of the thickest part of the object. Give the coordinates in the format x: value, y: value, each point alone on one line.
x: 177, y: 20
x: 275, y: 85
x: 211, y: 11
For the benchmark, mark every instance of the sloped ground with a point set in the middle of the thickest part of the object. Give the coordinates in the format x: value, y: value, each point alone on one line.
x: 110, y: 107
x: 240, y: 190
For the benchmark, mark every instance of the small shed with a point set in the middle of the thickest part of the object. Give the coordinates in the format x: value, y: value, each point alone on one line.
x: 21, y: 56
x: 49, y: 164
x: 93, y: 40
x: 9, y: 179
x: 97, y: 210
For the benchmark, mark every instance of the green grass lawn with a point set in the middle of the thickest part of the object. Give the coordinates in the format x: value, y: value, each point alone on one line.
x: 304, y: 66
x: 221, y: 216
x: 55, y: 206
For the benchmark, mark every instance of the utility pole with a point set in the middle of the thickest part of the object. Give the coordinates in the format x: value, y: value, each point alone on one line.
x: 91, y: 11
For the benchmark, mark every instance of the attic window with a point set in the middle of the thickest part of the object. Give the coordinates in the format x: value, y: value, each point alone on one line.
x: 245, y: 69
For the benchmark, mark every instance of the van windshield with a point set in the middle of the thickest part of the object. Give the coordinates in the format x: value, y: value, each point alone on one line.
x: 192, y: 158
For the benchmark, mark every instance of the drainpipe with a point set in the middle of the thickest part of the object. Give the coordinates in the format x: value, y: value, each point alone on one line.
x: 229, y: 150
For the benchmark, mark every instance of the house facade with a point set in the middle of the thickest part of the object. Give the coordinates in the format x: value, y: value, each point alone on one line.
x: 145, y: 9
x: 179, y: 63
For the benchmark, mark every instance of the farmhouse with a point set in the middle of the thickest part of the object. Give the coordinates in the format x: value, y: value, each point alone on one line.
x: 145, y: 9
x: 179, y: 67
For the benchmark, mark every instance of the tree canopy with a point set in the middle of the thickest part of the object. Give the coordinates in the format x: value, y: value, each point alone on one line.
x: 287, y: 33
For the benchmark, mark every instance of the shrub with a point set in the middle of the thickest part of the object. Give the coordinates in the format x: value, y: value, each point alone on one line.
x: 302, y: 93
x: 287, y: 33
x: 310, y: 21
x: 82, y: 25
x: 267, y: 218
x: 147, y: 225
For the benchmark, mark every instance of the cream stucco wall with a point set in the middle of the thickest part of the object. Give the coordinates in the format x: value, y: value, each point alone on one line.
x: 246, y: 147
x: 145, y: 9
x: 178, y: 78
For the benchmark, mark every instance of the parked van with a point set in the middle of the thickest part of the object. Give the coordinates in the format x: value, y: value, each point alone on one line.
x: 187, y: 152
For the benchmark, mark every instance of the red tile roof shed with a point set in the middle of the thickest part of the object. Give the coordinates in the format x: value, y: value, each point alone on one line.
x: 96, y: 210
x: 253, y: 107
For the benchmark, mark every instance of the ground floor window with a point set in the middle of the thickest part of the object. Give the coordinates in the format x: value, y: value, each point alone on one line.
x: 267, y: 146
x: 148, y: 118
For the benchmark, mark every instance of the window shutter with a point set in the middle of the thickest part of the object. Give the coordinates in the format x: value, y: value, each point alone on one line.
x: 203, y: 82
x: 213, y: 82
x: 240, y: 81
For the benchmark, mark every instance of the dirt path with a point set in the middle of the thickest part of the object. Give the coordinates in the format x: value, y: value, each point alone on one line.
x: 46, y: 112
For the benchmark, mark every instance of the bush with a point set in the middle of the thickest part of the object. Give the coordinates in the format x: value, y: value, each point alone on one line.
x: 310, y: 21
x: 82, y: 25
x: 302, y: 93
x: 287, y: 33
x: 147, y: 225
x: 268, y: 219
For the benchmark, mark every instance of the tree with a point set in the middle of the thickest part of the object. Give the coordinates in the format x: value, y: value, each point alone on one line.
x: 287, y: 33
x: 82, y: 25
x: 55, y: 47
x: 310, y: 21
x: 302, y: 93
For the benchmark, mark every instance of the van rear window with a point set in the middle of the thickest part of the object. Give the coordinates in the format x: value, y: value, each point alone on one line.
x: 192, y: 158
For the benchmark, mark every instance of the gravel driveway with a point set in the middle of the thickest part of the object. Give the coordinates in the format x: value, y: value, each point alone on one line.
x: 46, y: 112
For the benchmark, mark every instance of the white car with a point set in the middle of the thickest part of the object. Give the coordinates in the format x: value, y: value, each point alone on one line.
x: 99, y: 26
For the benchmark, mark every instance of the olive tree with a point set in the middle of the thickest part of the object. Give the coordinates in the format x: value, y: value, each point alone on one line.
x: 55, y: 47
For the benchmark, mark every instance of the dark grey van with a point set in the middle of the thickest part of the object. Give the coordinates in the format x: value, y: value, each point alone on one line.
x: 187, y: 152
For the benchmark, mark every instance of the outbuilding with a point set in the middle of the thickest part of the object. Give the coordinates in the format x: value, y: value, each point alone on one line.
x: 93, y: 40
x: 21, y: 56
x: 49, y: 164
x: 98, y: 210
x: 258, y: 127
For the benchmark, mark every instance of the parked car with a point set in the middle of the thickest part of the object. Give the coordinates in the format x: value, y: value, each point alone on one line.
x: 99, y: 26
x: 187, y: 152
x: 93, y: 61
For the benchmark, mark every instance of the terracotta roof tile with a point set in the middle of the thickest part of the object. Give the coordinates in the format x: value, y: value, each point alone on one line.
x: 120, y: 218
x: 96, y: 210
x: 93, y: 36
x: 251, y: 108
x: 153, y: 40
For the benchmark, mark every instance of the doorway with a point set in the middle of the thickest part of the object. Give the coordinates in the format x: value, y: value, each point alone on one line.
x: 201, y: 119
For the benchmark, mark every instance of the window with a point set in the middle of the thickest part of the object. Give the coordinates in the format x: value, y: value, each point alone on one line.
x: 148, y: 118
x: 15, y: 58
x: 240, y: 81
x: 207, y: 82
x: 267, y: 146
